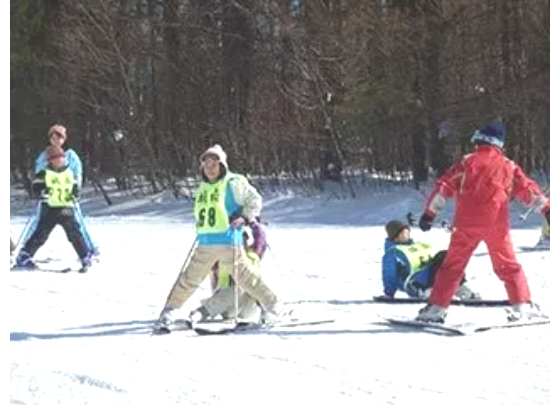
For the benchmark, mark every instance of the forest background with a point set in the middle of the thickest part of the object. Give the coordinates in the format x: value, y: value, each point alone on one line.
x: 310, y: 90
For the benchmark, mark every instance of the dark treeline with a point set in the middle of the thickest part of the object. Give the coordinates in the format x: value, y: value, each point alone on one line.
x: 286, y: 86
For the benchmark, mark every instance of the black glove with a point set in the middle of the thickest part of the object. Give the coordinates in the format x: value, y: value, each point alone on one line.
x: 39, y: 190
x: 76, y: 192
x: 426, y: 222
x: 39, y: 193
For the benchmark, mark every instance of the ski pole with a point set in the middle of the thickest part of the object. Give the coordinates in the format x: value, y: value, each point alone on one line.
x: 183, y: 268
x: 81, y: 221
x: 29, y: 227
x: 445, y: 225
x: 533, y: 206
x: 236, y: 279
x: 530, y: 210
x: 279, y: 268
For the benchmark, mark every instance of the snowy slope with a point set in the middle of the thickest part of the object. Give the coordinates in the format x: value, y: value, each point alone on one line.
x: 82, y: 339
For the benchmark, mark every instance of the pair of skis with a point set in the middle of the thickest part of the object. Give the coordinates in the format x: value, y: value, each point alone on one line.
x: 210, y: 329
x: 458, y: 302
x: 229, y: 327
x: 467, y: 328
x: 51, y: 270
x: 461, y: 329
x: 43, y: 266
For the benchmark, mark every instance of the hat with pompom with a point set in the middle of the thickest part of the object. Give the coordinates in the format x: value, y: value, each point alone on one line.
x: 493, y: 133
x: 216, y: 151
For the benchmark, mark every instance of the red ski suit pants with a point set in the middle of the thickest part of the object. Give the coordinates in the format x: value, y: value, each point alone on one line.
x: 463, y: 243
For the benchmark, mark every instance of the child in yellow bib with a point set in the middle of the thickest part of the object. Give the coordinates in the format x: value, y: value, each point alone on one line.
x: 224, y: 203
x: 410, y: 266
x: 57, y: 188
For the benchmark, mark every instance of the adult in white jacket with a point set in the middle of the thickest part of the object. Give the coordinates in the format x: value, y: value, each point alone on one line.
x: 224, y: 202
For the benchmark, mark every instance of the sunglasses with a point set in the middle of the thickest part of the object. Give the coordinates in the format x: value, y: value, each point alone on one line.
x: 210, y: 159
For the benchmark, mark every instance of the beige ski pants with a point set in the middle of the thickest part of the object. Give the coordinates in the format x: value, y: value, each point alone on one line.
x: 235, y: 261
x: 222, y: 302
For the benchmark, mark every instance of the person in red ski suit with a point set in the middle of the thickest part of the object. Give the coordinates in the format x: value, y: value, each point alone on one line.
x: 482, y: 183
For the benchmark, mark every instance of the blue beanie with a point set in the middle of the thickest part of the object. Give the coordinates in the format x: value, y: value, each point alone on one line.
x: 494, y: 134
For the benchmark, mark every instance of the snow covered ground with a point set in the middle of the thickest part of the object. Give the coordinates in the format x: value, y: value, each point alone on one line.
x: 83, y: 338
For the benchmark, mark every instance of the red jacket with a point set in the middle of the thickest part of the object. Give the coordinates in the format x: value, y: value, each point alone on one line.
x: 483, y: 183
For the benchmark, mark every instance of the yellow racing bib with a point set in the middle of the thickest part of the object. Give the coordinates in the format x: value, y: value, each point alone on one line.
x: 418, y: 255
x: 59, y: 185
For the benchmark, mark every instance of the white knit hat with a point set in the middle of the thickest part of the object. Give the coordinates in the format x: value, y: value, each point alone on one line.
x: 217, y: 151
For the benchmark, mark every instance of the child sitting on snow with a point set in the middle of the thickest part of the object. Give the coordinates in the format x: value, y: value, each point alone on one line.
x: 410, y: 267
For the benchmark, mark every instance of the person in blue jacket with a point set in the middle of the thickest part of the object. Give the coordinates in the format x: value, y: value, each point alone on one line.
x: 58, y: 137
x: 410, y: 266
